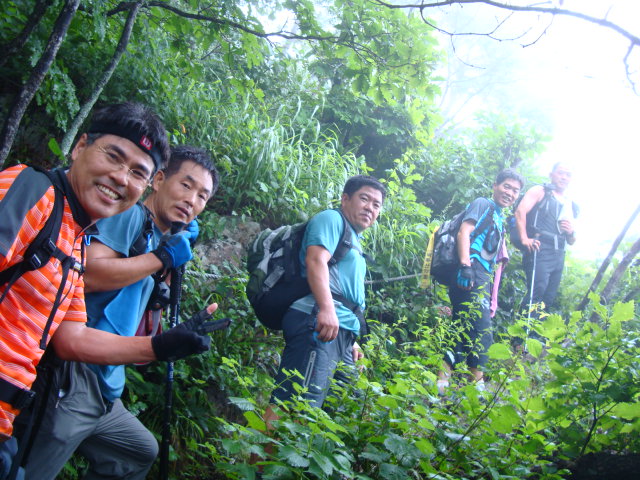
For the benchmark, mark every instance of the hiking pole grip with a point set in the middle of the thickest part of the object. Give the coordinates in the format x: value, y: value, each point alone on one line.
x: 175, y: 293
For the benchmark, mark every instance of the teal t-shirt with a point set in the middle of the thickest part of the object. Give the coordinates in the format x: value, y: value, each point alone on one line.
x: 346, y: 277
x: 119, y: 311
x: 484, y: 248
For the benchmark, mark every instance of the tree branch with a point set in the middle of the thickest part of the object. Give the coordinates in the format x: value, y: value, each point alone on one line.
x: 67, y: 140
x: 361, y: 50
x: 620, y: 269
x: 32, y: 22
x: 634, y: 40
x: 24, y: 97
x: 607, y: 260
x: 225, y: 22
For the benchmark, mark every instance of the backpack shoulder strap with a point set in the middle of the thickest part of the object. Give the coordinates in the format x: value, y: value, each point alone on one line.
x: 41, y: 249
x: 487, y: 219
x: 341, y: 251
x: 139, y: 246
x: 43, y: 245
x: 345, y: 244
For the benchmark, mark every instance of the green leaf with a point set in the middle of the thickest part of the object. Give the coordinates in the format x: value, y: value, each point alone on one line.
x: 244, y: 404
x: 254, y: 421
x: 232, y: 446
x: 387, y: 401
x: 389, y: 471
x: 425, y: 446
x: 293, y: 457
x: 499, y: 351
x: 504, y: 418
x: 374, y: 454
x: 628, y: 411
x: 553, y: 327
x: 323, y: 462
x: 396, y: 444
x: 534, y: 347
x: 55, y: 148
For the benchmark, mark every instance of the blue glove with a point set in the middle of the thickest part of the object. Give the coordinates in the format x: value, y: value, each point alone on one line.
x: 465, y: 278
x: 193, y: 229
x: 174, y: 250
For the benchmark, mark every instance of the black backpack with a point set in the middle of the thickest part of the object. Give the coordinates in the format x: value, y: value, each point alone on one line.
x: 444, y: 260
x: 275, y: 278
x: 541, y: 206
x: 43, y: 247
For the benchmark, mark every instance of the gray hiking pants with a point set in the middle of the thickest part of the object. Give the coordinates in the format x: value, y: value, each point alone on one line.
x: 316, y: 360
x: 114, y: 442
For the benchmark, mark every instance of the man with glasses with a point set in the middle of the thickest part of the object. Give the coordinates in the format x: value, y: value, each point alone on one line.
x: 470, y: 295
x: 85, y: 413
x: 48, y: 303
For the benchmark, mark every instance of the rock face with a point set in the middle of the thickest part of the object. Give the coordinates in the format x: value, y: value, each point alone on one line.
x: 230, y: 247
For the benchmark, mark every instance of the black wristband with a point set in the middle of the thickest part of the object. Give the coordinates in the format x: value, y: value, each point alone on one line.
x: 164, y: 257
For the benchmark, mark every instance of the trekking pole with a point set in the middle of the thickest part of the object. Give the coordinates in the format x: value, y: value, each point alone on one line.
x: 533, y: 279
x: 175, y: 292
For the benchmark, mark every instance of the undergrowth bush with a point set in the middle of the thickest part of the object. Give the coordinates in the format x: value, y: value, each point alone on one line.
x: 574, y: 394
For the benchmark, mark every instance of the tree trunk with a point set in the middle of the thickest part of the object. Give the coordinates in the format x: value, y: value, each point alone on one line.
x: 619, y: 271
x: 29, y: 89
x: 72, y: 131
x: 633, y: 295
x: 17, y: 43
x: 607, y: 261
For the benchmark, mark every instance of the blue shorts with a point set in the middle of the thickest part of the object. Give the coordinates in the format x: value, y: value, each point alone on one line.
x: 314, y: 359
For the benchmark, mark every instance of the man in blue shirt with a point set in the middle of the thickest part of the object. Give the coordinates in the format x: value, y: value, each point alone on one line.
x: 85, y: 412
x: 470, y: 295
x: 320, y: 330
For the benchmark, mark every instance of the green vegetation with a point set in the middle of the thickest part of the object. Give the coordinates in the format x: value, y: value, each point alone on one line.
x: 288, y: 120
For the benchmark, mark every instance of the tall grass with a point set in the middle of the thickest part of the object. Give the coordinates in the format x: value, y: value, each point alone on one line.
x: 275, y: 164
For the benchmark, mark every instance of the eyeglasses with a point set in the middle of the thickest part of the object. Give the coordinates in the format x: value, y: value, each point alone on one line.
x: 138, y: 177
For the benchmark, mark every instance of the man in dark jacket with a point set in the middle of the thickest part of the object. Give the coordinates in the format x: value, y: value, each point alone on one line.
x: 545, y: 219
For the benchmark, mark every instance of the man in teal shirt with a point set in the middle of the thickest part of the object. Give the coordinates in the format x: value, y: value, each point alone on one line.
x: 470, y: 295
x: 320, y: 330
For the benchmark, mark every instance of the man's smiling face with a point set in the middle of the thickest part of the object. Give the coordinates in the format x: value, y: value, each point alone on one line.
x: 101, y: 174
x: 505, y: 193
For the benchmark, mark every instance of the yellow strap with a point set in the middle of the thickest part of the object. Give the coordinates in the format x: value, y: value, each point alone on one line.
x: 425, y: 279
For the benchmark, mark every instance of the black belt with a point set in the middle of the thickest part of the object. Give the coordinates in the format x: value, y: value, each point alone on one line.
x: 558, y: 241
x: 15, y: 396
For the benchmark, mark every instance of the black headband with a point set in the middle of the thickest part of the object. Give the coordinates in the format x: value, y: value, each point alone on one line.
x: 142, y: 141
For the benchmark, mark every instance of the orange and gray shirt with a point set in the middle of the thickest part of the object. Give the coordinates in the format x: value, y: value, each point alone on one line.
x: 24, y: 312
